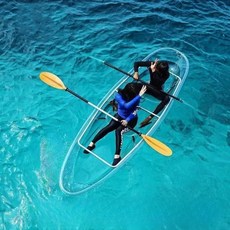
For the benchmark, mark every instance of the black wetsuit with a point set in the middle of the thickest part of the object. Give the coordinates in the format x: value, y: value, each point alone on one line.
x: 157, y: 81
x: 120, y: 129
x: 126, y: 111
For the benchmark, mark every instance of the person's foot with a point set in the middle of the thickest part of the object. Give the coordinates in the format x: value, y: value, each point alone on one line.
x: 146, y: 121
x: 86, y: 151
x: 116, y: 161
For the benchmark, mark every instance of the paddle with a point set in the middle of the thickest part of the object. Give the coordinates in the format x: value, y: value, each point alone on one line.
x: 53, y: 80
x: 130, y: 75
x: 146, y: 83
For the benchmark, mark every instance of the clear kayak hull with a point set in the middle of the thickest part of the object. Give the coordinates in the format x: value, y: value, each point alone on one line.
x: 81, y: 172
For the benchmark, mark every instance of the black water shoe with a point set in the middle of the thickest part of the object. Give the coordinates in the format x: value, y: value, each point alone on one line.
x: 86, y: 151
x: 116, y: 161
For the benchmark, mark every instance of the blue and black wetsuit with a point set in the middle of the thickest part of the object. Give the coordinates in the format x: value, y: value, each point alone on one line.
x: 126, y: 111
x: 157, y: 81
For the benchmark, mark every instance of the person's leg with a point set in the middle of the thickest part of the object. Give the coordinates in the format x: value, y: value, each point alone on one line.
x: 164, y: 98
x: 109, y: 128
x: 119, y: 138
x: 118, y: 133
x: 162, y: 104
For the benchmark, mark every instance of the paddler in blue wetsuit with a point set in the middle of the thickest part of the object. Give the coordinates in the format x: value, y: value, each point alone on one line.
x: 127, y: 99
x: 159, y: 73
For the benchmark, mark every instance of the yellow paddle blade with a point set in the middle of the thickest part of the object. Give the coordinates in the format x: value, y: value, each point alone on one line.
x: 157, y: 145
x: 52, y: 80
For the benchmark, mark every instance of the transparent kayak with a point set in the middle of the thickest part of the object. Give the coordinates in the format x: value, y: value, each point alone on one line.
x: 81, y: 172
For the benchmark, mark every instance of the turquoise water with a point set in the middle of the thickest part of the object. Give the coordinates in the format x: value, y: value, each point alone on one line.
x: 189, y: 190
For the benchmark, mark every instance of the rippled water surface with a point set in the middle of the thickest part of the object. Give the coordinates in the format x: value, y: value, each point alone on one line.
x: 189, y: 190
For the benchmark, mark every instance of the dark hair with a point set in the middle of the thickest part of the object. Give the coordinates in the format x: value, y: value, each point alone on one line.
x: 163, y: 67
x: 130, y: 91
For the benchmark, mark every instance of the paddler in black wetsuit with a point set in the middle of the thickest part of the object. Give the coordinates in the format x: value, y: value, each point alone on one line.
x: 159, y: 73
x: 127, y: 100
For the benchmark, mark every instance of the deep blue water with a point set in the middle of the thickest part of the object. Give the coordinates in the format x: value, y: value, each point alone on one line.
x: 189, y: 190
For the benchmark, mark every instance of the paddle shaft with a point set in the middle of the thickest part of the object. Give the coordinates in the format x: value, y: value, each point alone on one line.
x: 143, y: 82
x: 103, y: 111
